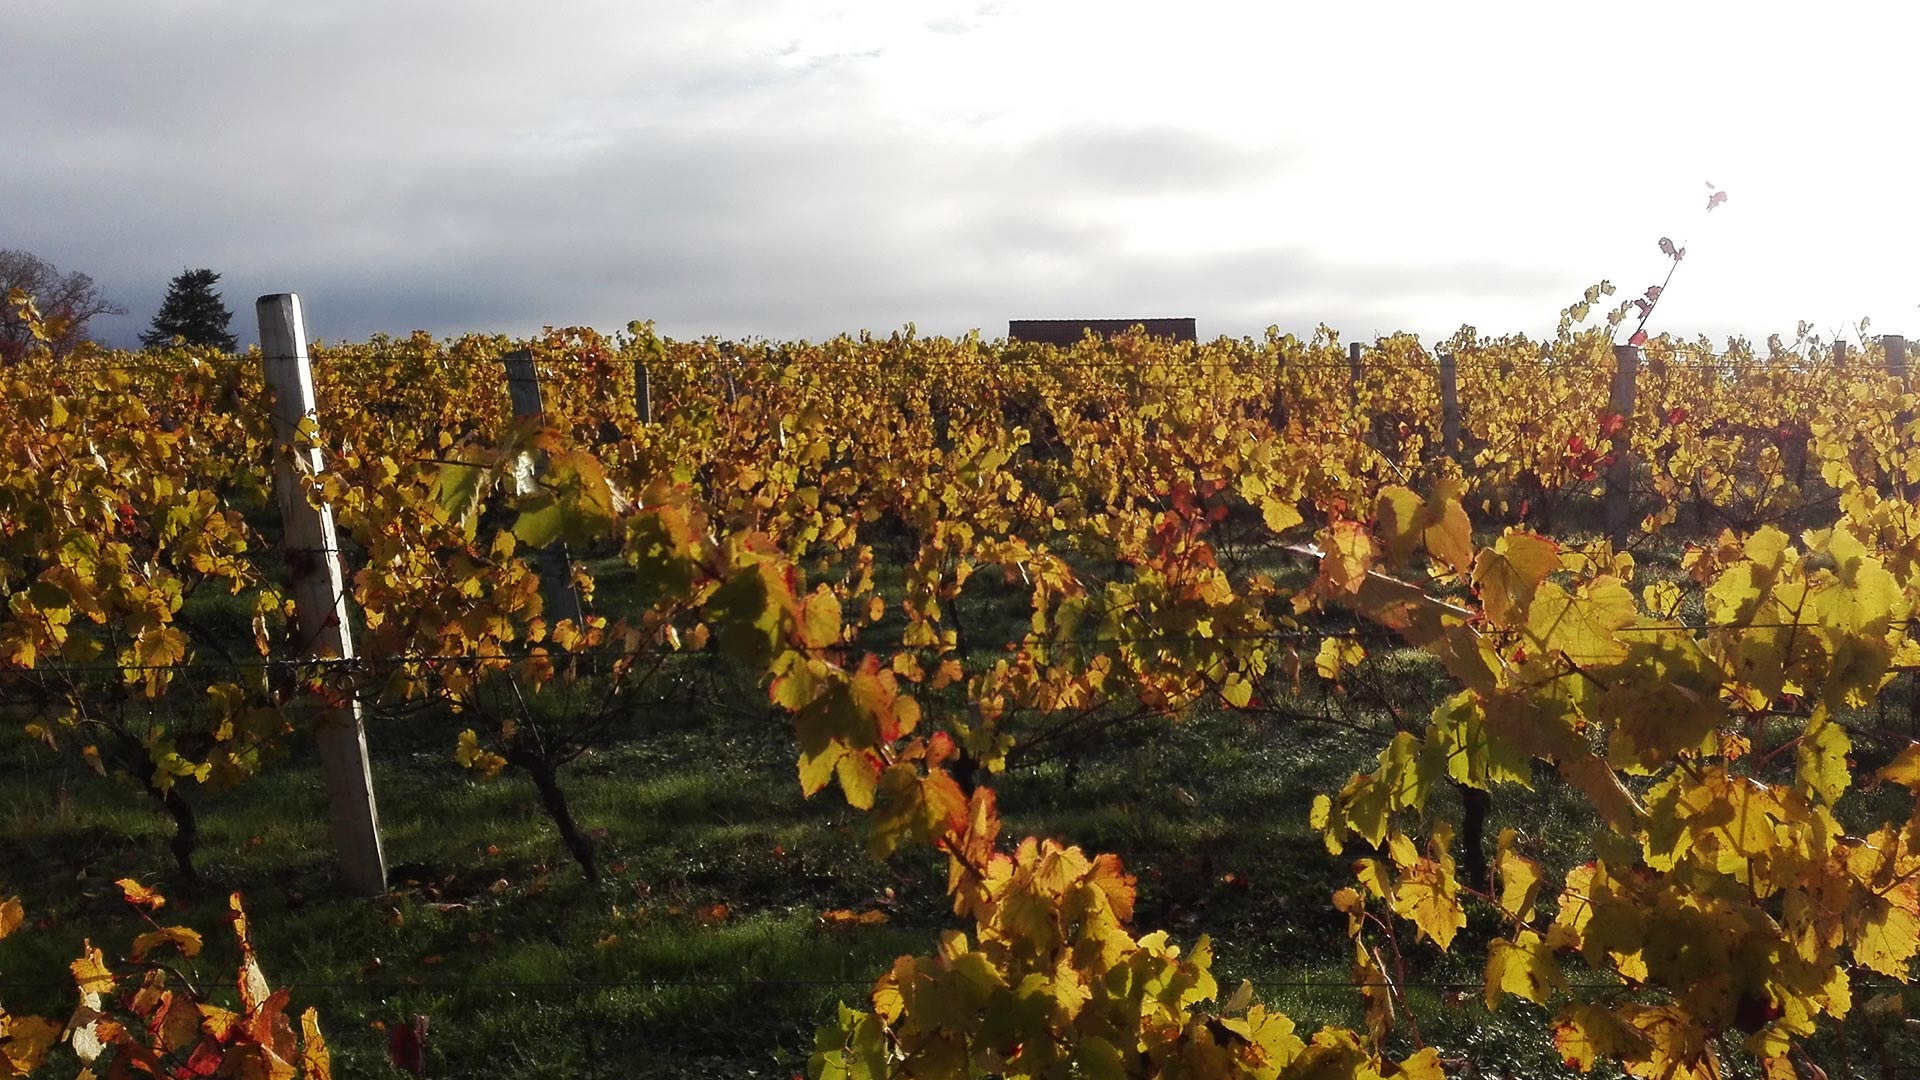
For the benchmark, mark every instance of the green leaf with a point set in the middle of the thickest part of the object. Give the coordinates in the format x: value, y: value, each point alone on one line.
x: 458, y: 489
x: 1099, y: 1060
x: 540, y: 521
x: 747, y: 614
x: 583, y: 490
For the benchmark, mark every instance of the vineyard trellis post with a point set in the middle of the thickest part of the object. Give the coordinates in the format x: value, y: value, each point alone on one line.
x: 1895, y: 347
x: 1353, y: 372
x: 319, y: 591
x: 1626, y: 364
x: 553, y: 563
x: 1278, y: 408
x: 1449, y: 406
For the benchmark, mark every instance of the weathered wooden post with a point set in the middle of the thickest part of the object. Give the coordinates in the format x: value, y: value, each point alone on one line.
x: 1895, y: 347
x: 642, y: 391
x: 1353, y: 372
x: 1626, y: 363
x: 559, y: 599
x: 1449, y: 407
x: 319, y: 592
x: 1278, y: 407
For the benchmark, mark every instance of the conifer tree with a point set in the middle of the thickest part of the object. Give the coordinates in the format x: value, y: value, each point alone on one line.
x: 192, y: 312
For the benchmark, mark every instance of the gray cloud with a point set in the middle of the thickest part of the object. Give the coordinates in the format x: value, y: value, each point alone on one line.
x: 405, y: 171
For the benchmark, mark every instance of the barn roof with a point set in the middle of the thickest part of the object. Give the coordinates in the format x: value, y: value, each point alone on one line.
x: 1069, y: 331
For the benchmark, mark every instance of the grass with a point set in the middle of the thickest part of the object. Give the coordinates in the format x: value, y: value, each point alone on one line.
x: 703, y: 952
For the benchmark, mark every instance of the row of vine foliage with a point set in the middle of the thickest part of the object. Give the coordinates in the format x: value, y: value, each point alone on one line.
x: 1726, y: 910
x: 145, y: 490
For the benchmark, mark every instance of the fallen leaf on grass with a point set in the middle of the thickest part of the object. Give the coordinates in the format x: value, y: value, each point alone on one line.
x: 846, y: 917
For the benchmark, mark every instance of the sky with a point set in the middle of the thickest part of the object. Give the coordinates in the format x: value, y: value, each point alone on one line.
x: 799, y: 170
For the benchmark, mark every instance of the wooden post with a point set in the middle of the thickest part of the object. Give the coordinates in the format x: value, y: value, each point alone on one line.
x: 319, y: 592
x: 1353, y: 372
x: 1278, y: 407
x: 1626, y: 363
x: 728, y: 362
x: 642, y: 391
x: 1840, y: 354
x: 1895, y: 347
x: 559, y: 599
x: 1449, y: 407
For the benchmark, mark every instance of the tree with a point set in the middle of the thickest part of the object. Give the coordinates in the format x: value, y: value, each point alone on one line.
x: 192, y: 312
x: 66, y: 301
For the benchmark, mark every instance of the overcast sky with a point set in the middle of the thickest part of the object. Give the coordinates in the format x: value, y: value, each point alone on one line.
x: 802, y: 169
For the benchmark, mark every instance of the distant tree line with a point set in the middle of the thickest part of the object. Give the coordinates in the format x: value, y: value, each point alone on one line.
x: 193, y: 313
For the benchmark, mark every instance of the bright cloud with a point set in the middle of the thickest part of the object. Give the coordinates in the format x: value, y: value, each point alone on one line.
x: 787, y: 169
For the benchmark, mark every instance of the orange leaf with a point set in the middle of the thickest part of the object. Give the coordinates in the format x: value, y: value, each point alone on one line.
x: 141, y: 896
x: 315, y: 1062
x: 187, y: 941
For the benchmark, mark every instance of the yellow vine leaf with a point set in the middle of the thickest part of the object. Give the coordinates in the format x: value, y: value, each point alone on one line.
x: 1677, y: 1046
x: 1542, y: 729
x: 470, y: 754
x: 1423, y: 1065
x: 1237, y: 691
x: 1280, y: 514
x: 1586, y: 1033
x: 1426, y: 893
x: 1524, y: 967
x: 859, y: 775
x: 1347, y: 556
x: 1821, y: 757
x: 25, y: 1042
x: 1396, y: 514
x: 1448, y: 534
x: 1510, y: 572
x: 1436, y: 523
x: 1337, y: 655
x: 90, y: 974
x: 1581, y: 624
x: 1519, y: 878
x: 1888, y: 930
x: 1904, y: 769
x: 820, y: 619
